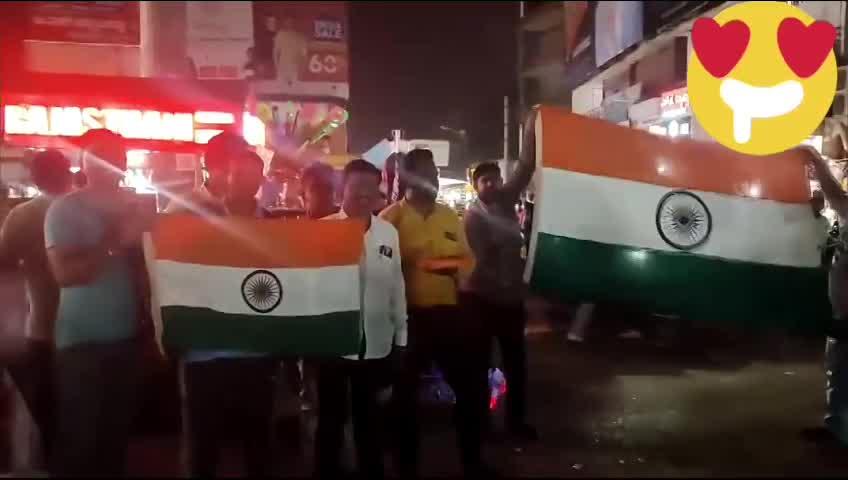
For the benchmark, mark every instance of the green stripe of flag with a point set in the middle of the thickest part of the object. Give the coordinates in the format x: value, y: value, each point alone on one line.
x: 695, y: 287
x: 191, y: 328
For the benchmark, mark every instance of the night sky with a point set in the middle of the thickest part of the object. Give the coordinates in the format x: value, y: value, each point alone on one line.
x: 419, y: 65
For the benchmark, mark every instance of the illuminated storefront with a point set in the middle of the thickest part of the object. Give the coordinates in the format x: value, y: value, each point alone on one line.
x: 166, y: 123
x: 669, y: 115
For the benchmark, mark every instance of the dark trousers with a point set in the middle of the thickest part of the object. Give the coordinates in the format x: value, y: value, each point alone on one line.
x: 364, y: 378
x: 33, y: 376
x: 454, y: 340
x: 228, y: 396
x: 96, y: 391
x: 506, y: 324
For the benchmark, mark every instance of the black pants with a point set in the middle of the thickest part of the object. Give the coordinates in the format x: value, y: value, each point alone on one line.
x: 33, y: 376
x: 364, y: 378
x: 506, y: 324
x: 229, y: 396
x: 96, y: 392
x: 454, y: 340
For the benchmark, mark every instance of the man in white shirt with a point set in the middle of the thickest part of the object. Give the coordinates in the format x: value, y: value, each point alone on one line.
x: 383, y: 311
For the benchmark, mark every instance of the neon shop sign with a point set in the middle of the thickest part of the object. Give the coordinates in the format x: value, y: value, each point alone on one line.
x: 197, y: 127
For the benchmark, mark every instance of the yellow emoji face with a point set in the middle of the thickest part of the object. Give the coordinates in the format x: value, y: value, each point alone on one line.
x: 761, y: 76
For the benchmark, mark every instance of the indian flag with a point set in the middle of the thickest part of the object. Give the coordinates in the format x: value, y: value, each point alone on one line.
x: 674, y: 227
x: 288, y: 287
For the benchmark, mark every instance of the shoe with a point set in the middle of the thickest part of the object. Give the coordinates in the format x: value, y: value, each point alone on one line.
x: 524, y: 433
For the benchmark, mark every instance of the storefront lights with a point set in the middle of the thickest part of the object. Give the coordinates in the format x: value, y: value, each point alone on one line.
x: 673, y: 129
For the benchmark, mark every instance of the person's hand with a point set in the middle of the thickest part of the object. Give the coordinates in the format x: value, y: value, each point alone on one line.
x: 528, y: 141
x: 530, y: 124
x: 811, y: 155
x: 448, y: 266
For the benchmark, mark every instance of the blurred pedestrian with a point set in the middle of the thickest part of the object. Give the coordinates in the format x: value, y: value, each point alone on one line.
x: 319, y: 190
x: 289, y: 51
x: 384, y: 330
x: 92, y: 237
x: 22, y: 245
x: 580, y: 324
x: 434, y: 253
x: 496, y: 286
x: 835, y: 430
x: 208, y: 199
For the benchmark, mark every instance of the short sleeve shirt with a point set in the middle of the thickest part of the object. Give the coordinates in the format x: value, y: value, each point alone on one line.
x: 106, y: 309
x: 438, y: 235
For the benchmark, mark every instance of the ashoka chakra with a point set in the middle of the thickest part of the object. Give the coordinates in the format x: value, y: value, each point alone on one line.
x: 683, y: 220
x: 262, y: 291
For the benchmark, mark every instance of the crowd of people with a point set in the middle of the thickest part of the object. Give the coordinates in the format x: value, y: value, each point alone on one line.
x: 434, y: 290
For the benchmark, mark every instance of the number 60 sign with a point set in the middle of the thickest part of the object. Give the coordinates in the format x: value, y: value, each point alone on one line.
x: 325, y: 66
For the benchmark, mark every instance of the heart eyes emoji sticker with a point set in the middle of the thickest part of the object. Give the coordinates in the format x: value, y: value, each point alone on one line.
x: 762, y: 76
x: 720, y: 47
x: 805, y: 48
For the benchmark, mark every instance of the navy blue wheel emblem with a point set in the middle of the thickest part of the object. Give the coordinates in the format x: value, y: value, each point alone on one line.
x: 683, y: 220
x: 262, y: 291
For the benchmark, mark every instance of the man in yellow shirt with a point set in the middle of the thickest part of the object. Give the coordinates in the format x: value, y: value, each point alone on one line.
x: 434, y: 253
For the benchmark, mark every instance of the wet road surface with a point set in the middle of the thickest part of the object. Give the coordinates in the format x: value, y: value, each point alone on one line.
x: 727, y: 407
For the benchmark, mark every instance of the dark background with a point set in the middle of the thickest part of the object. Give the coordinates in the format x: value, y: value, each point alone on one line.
x: 419, y: 65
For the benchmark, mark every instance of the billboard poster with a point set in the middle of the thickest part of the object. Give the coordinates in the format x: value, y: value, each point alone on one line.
x: 618, y: 25
x: 300, y: 48
x: 110, y: 23
x: 298, y: 128
x: 219, y: 38
x: 575, y: 32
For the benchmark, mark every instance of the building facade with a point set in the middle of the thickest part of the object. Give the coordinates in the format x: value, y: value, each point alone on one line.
x: 626, y: 62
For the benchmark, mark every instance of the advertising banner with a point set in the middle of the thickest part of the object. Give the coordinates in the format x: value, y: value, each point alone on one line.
x: 577, y: 27
x: 220, y: 35
x: 298, y: 127
x: 618, y: 25
x: 300, y: 48
x: 83, y: 22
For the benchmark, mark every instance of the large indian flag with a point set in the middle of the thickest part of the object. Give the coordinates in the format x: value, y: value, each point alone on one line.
x: 675, y: 227
x: 288, y: 287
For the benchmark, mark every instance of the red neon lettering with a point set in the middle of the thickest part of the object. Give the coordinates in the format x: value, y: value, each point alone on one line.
x: 136, y: 124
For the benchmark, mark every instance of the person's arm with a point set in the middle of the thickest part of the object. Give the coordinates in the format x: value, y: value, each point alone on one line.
x: 9, y: 243
x: 526, y: 167
x: 833, y: 192
x: 466, y: 265
x: 398, y: 297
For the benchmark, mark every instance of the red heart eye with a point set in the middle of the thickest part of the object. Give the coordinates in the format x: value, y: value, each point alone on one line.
x: 719, y: 47
x: 805, y: 48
